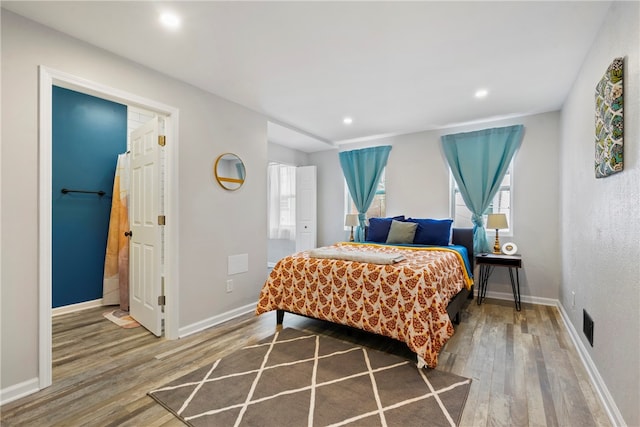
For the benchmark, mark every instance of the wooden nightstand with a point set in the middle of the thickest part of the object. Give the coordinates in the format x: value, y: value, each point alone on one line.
x: 487, y: 262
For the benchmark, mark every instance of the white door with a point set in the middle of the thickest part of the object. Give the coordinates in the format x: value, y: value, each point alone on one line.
x: 305, y: 208
x: 145, y: 281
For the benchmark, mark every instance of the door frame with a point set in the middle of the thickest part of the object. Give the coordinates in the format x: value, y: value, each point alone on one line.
x: 49, y: 77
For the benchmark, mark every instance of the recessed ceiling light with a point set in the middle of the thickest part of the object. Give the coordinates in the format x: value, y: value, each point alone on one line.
x: 481, y: 93
x: 347, y: 120
x: 170, y: 20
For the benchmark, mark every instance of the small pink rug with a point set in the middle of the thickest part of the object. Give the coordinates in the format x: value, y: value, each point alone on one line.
x: 121, y: 318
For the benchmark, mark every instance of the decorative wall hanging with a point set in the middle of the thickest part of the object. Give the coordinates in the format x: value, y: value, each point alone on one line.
x: 609, y: 122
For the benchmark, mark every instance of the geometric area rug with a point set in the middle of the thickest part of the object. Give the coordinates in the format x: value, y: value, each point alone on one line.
x: 295, y: 378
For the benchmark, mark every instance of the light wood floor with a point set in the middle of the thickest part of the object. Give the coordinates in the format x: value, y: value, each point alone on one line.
x: 524, y: 368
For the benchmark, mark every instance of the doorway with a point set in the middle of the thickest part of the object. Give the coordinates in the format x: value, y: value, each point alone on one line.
x: 291, y: 210
x: 49, y: 78
x: 88, y: 135
x: 281, y: 211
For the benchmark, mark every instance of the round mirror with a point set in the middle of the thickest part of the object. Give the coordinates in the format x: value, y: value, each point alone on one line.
x: 229, y: 171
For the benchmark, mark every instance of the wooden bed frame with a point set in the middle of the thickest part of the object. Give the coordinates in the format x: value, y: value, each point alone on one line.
x: 460, y: 236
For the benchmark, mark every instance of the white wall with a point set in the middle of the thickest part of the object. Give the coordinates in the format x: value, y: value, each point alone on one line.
x: 417, y: 182
x: 600, y: 217
x: 213, y: 221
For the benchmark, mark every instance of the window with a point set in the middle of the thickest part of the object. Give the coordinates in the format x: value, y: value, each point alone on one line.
x: 281, y: 194
x: 378, y: 206
x: 501, y: 203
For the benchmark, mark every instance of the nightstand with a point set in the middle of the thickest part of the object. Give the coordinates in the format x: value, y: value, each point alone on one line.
x: 488, y: 262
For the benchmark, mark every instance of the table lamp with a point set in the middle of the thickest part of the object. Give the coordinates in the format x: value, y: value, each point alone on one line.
x: 351, y: 220
x: 497, y: 221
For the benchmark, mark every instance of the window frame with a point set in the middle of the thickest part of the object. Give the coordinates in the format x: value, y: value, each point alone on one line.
x: 348, y: 201
x: 453, y: 190
x: 289, y: 197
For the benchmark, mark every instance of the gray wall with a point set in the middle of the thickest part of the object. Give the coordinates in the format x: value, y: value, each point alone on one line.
x: 600, y: 217
x: 417, y: 182
x: 213, y: 222
x: 285, y: 155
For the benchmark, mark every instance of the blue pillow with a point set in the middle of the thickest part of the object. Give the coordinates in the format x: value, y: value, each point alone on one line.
x: 432, y: 231
x: 379, y: 228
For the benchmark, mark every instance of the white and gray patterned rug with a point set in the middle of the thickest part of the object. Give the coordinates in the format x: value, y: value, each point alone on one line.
x: 295, y: 378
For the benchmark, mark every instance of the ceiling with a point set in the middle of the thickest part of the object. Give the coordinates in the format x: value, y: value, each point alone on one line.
x: 394, y: 67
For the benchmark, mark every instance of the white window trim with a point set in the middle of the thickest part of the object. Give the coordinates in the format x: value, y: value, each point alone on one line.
x: 347, y: 202
x: 347, y: 199
x: 489, y: 232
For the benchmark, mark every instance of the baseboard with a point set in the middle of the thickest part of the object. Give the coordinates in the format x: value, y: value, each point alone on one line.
x: 508, y: 296
x: 601, y: 388
x: 76, y: 307
x: 17, y: 391
x: 215, y: 320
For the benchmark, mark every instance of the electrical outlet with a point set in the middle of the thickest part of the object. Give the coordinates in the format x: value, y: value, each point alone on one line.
x: 229, y: 285
x: 573, y: 299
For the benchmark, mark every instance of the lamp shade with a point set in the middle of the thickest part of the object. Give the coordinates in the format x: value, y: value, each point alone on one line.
x: 351, y: 220
x: 497, y: 221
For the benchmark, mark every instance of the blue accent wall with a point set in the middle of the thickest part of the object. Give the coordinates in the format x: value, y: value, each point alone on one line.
x: 88, y: 135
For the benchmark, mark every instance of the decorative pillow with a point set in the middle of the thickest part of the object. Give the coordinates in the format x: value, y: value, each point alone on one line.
x: 432, y: 231
x: 401, y: 232
x: 378, y: 229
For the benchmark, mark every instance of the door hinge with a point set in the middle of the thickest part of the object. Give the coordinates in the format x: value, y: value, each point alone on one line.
x: 162, y: 300
x: 162, y: 140
x: 162, y: 220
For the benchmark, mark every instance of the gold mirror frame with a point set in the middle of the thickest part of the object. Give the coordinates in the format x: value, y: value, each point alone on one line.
x: 229, y: 171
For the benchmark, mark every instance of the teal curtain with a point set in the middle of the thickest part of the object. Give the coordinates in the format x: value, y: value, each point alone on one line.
x: 362, y: 170
x: 478, y: 162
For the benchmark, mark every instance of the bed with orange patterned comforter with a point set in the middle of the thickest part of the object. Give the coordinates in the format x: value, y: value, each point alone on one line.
x: 406, y: 300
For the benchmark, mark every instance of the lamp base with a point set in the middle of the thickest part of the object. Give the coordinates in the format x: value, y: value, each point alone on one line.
x: 496, y: 246
x: 351, y: 235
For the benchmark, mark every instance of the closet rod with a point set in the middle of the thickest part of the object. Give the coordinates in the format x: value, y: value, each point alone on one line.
x: 66, y: 190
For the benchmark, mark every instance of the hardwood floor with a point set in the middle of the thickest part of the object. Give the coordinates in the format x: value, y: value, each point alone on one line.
x: 524, y: 368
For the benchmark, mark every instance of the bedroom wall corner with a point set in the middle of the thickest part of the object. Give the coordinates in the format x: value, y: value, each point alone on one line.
x: 600, y: 221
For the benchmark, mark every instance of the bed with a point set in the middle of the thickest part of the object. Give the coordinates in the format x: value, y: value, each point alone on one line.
x: 413, y: 300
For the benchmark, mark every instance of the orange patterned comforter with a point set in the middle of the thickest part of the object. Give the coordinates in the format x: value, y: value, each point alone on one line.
x: 406, y: 301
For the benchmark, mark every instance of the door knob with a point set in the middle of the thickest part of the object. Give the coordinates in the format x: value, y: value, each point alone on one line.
x: 128, y: 233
